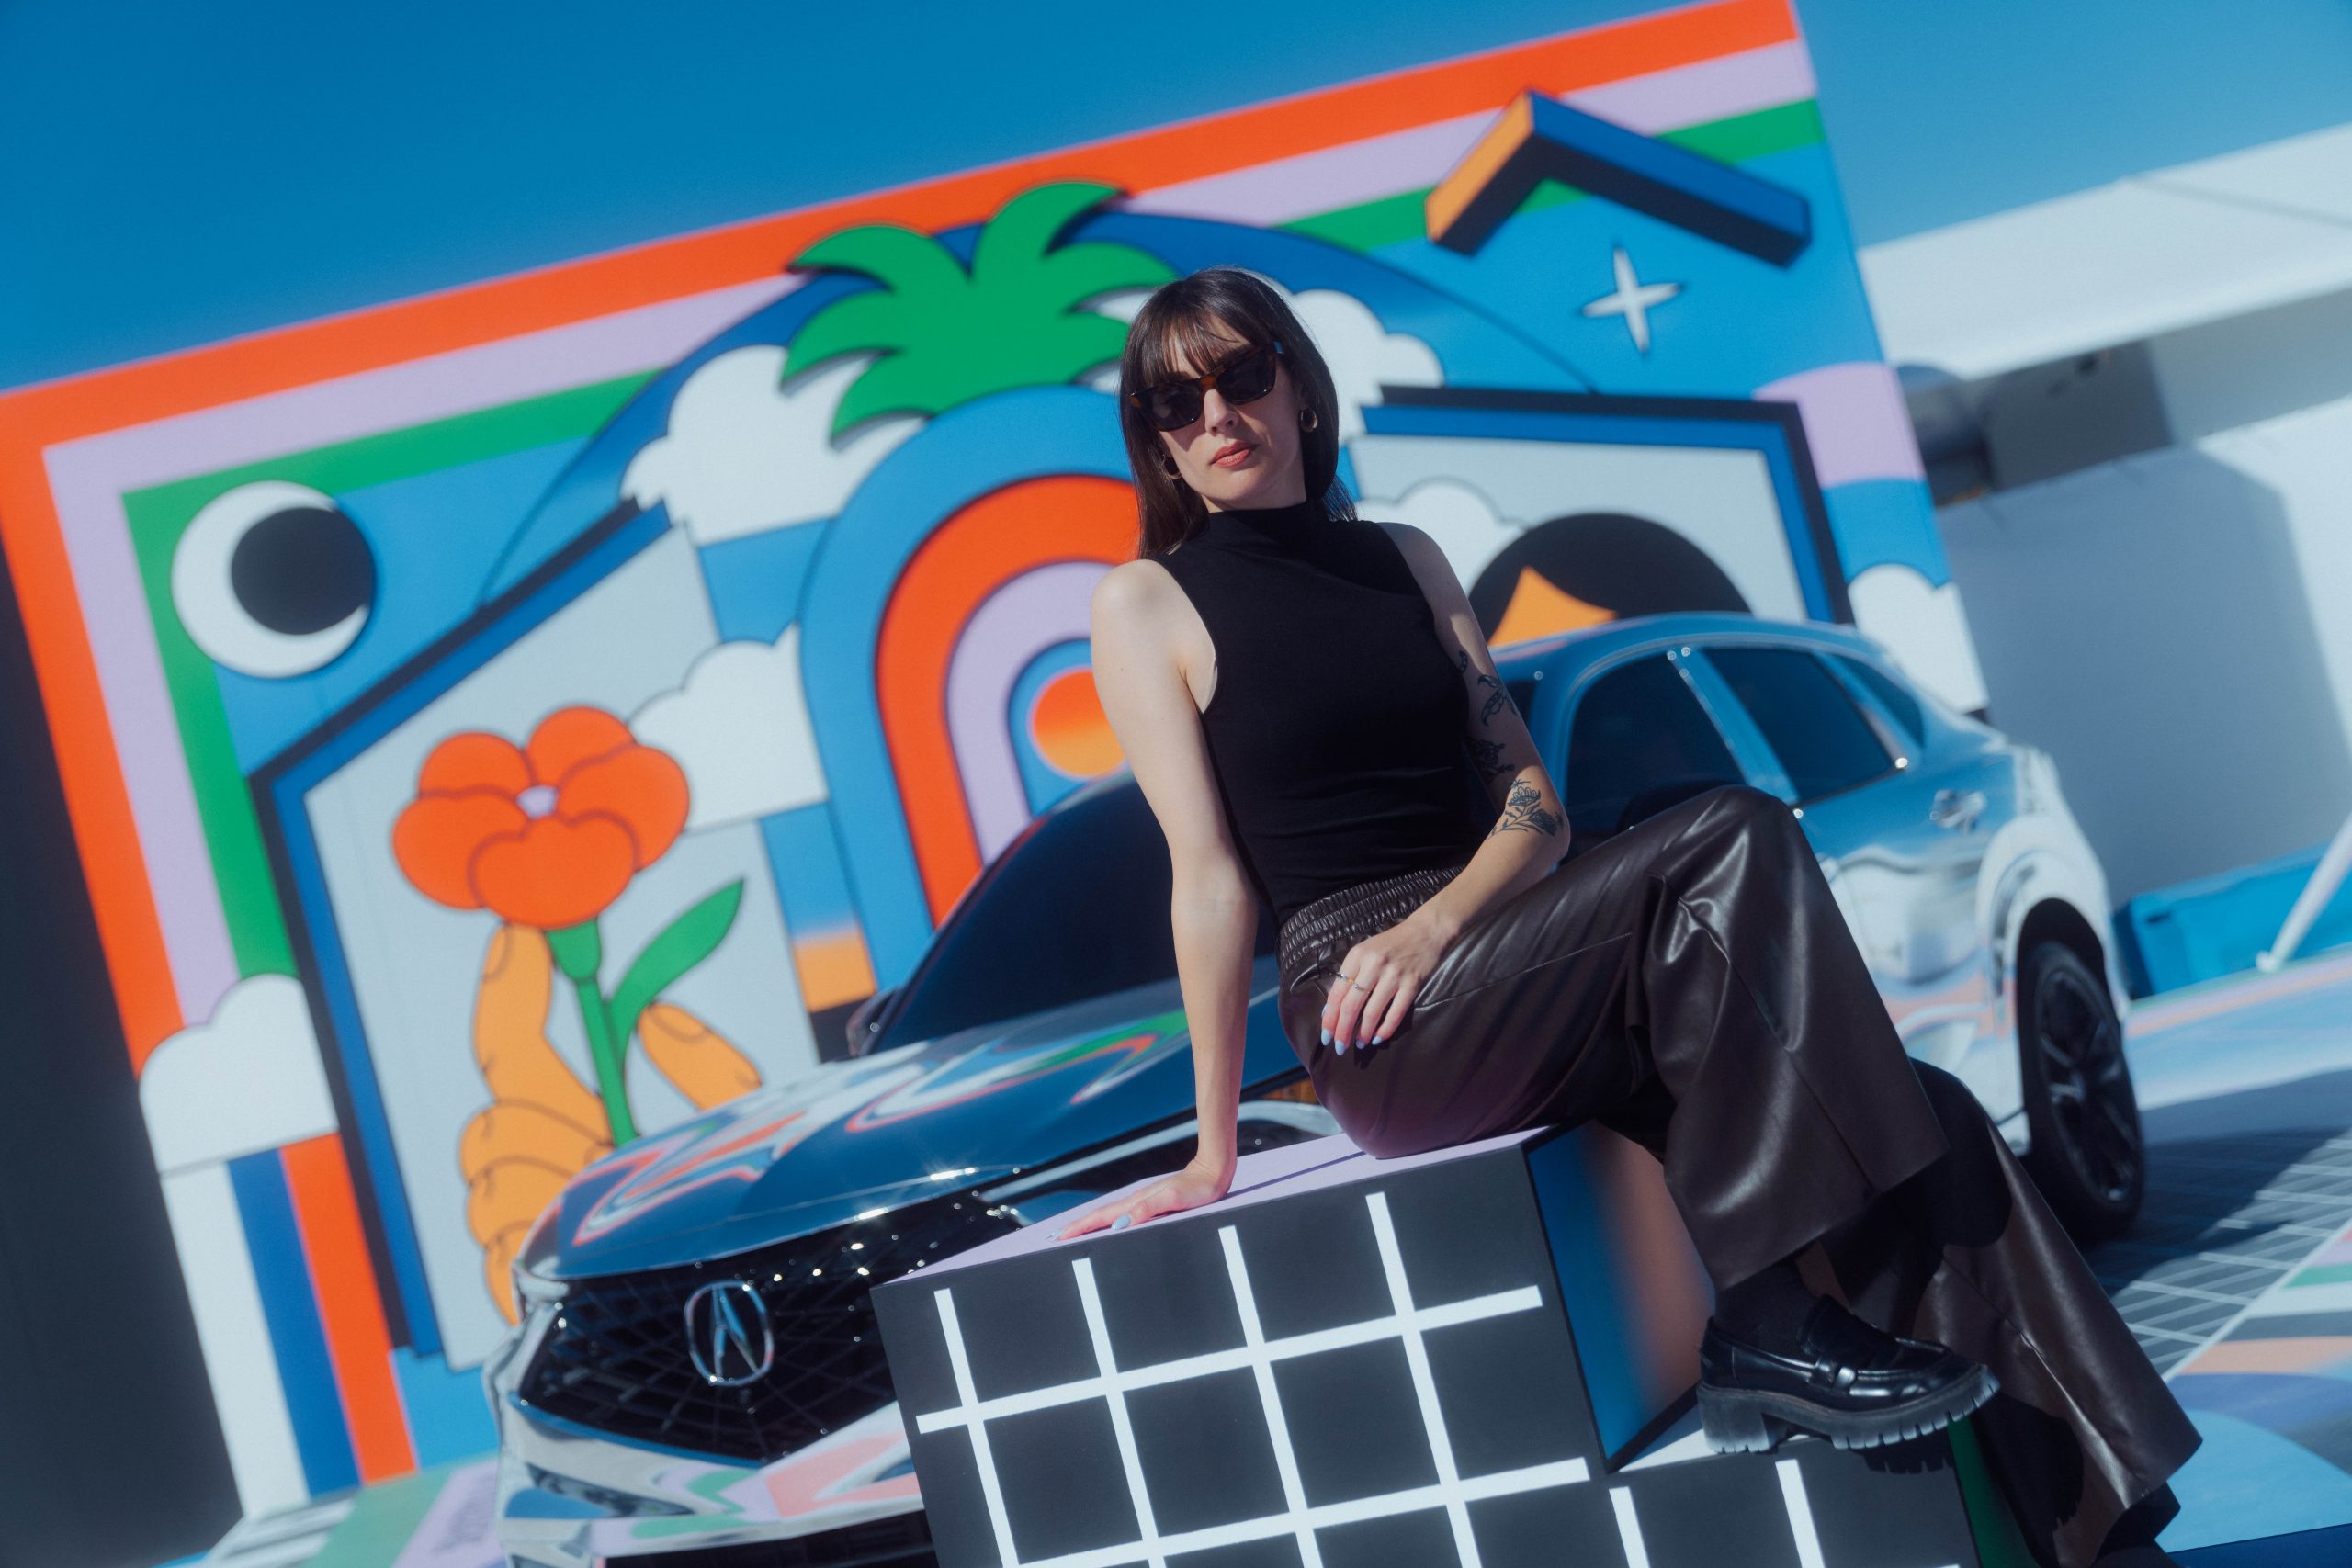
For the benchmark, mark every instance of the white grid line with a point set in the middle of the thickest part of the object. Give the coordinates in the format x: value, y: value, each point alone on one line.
x: 1800, y: 1515
x: 1258, y: 1354
x: 1417, y: 1357
x: 1371, y: 1331
x: 1801, y: 1526
x: 1253, y: 1336
x: 1099, y: 1332
x: 1629, y: 1528
x: 998, y: 1519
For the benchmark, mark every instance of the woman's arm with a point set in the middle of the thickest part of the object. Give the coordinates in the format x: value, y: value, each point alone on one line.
x: 1530, y: 834
x: 1213, y: 911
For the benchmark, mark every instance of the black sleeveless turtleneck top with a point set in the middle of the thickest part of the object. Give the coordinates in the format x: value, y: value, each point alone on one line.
x: 1338, y: 730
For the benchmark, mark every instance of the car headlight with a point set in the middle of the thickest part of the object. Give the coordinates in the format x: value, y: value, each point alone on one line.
x: 538, y: 1290
x: 531, y: 1287
x: 2037, y: 783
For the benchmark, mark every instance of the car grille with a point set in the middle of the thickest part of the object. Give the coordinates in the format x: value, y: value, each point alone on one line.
x: 616, y: 1357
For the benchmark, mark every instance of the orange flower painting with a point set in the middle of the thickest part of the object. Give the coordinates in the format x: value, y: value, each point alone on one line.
x: 546, y: 834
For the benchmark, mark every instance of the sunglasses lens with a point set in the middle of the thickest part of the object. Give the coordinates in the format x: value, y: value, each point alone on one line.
x: 1172, y: 407
x: 1250, y: 377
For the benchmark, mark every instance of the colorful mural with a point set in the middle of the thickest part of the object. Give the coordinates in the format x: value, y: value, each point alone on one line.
x: 693, y: 624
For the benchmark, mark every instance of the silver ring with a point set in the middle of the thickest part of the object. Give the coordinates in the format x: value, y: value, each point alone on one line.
x: 1361, y: 986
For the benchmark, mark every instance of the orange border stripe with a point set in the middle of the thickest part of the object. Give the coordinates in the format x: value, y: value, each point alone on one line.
x: 33, y: 418
x: 990, y: 541
x: 96, y: 793
x: 349, y: 1306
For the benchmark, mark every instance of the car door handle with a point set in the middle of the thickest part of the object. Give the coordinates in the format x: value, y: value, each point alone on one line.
x: 1956, y: 809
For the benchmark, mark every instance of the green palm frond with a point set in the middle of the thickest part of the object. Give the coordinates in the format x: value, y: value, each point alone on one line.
x: 946, y: 335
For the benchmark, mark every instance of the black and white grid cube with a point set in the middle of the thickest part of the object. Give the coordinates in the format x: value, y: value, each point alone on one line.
x: 1346, y: 1363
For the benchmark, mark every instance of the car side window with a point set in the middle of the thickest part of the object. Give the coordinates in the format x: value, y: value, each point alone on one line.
x: 1639, y: 742
x: 1898, y: 702
x: 1823, y: 741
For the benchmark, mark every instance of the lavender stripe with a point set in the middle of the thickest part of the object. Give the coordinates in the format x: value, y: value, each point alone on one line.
x: 1013, y: 626
x: 89, y: 477
x: 122, y: 635
x: 1707, y: 90
x: 1379, y: 166
x: 1855, y: 420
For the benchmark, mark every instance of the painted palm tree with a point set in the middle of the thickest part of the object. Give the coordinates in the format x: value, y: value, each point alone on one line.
x: 947, y: 334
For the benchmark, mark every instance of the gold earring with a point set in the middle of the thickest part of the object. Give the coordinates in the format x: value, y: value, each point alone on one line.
x: 1308, y: 419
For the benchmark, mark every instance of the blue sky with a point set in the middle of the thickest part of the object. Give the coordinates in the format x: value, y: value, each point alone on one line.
x: 176, y: 174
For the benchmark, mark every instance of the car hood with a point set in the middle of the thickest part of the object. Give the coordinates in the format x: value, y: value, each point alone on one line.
x: 879, y: 1132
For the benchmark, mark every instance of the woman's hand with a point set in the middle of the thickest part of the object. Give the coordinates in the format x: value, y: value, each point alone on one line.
x: 1383, y: 974
x: 1187, y: 1189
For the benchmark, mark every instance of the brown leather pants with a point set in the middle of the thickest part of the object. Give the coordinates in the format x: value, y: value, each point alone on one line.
x: 1691, y: 984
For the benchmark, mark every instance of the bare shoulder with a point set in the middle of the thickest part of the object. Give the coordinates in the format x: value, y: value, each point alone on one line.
x: 1132, y: 586
x: 1140, y: 600
x: 1141, y: 605
x: 1427, y: 557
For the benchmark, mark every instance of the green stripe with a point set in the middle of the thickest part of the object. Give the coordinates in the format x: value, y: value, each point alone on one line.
x: 384, y: 1518
x: 2324, y: 1274
x: 403, y: 453
x: 2000, y: 1542
x: 1400, y: 217
x: 158, y: 517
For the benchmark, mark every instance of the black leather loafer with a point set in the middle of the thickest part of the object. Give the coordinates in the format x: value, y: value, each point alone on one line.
x: 1847, y: 1381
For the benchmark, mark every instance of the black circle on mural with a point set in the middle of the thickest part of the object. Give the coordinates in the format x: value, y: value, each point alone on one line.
x: 302, y: 569
x: 1628, y: 566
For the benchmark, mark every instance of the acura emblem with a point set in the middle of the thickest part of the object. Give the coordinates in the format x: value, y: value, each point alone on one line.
x: 728, y: 1333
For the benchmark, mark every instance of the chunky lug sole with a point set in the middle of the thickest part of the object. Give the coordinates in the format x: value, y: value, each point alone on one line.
x: 1745, y: 1420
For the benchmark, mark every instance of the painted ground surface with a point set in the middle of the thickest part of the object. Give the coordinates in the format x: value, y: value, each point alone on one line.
x: 2238, y: 1277
x: 2237, y: 1280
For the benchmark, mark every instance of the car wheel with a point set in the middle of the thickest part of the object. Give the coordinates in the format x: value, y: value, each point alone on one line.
x: 2088, y: 1156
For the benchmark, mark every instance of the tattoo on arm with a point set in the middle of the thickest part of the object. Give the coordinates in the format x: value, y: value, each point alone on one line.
x: 1489, y: 757
x: 1524, y: 810
x: 1496, y: 699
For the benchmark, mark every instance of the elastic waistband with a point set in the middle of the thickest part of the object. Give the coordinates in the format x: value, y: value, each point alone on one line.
x: 1342, y: 918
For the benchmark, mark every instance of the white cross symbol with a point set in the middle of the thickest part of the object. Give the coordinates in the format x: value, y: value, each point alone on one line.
x: 1632, y: 298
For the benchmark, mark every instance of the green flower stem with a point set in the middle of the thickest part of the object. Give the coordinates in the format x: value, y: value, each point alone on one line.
x: 605, y: 1052
x: 579, y: 951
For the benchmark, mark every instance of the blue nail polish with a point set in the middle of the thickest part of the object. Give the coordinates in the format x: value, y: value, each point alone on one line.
x: 1326, y: 1037
x: 1122, y: 1222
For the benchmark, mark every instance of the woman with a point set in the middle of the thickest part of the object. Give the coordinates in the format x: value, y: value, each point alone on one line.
x: 1307, y: 703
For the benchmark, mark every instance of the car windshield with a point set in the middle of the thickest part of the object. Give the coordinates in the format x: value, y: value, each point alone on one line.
x: 1075, y: 907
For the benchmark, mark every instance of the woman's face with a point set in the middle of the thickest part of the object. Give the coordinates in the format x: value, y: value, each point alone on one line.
x: 1258, y: 440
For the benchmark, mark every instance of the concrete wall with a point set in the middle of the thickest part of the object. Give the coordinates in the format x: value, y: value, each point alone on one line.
x: 2176, y: 628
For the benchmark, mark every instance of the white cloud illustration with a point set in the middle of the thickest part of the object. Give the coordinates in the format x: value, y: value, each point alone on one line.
x: 1361, y: 352
x: 745, y: 454
x: 1460, y: 519
x: 1923, y: 627
x: 740, y: 728
x: 1119, y: 304
x: 245, y: 1080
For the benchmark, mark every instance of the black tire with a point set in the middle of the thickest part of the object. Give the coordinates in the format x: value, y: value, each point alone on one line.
x: 2088, y: 1156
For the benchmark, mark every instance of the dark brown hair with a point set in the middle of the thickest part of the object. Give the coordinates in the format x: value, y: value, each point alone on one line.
x: 1184, y: 313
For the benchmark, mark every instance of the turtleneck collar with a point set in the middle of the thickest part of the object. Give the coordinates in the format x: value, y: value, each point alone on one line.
x: 1272, y: 524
